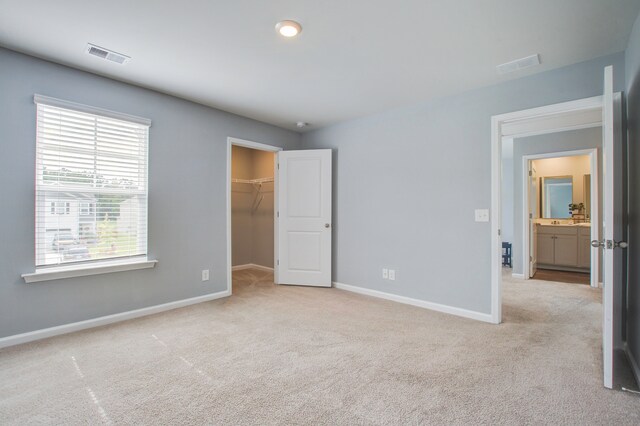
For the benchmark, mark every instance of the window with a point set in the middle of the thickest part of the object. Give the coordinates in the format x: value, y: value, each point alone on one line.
x: 86, y: 209
x: 91, y: 184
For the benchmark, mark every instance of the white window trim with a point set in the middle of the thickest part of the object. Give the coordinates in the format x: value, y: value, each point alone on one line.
x: 46, y: 100
x: 99, y: 267
x: 61, y: 272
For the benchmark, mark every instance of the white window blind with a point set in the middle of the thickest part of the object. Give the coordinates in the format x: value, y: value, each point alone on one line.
x: 91, y: 184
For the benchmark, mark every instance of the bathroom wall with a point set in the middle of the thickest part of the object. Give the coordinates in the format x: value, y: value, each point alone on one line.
x: 252, y: 230
x: 576, y: 166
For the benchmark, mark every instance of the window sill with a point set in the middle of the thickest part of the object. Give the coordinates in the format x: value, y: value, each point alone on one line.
x: 85, y: 270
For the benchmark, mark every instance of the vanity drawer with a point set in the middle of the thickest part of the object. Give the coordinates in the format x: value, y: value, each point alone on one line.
x: 558, y: 230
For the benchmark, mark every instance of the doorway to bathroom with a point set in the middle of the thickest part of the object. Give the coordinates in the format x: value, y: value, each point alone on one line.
x: 604, y: 111
x: 561, y: 203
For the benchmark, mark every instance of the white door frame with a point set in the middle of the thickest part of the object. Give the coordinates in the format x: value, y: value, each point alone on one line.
x: 595, y: 213
x: 579, y: 114
x: 231, y: 141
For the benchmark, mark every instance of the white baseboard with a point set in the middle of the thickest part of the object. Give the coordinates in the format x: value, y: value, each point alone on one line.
x: 109, y: 319
x: 520, y: 276
x: 416, y: 302
x: 634, y: 365
x: 251, y: 266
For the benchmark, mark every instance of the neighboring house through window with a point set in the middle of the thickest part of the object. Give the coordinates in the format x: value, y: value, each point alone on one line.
x: 91, y: 184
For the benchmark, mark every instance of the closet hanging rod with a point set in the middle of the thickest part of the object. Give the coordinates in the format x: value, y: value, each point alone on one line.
x: 253, y: 181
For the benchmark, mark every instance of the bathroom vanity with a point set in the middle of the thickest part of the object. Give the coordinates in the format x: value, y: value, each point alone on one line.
x: 564, y: 247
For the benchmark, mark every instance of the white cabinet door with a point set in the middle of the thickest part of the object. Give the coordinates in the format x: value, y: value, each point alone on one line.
x: 584, y: 251
x: 566, y: 250
x: 545, y: 249
x: 304, y: 218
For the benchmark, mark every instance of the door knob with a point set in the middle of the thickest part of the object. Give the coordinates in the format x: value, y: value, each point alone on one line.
x: 610, y: 244
x: 326, y: 225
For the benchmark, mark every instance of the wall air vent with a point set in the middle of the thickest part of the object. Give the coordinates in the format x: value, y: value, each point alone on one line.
x: 519, y: 64
x: 109, y: 55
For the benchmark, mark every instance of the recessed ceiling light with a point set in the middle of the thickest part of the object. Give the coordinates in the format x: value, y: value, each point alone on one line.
x: 288, y: 28
x: 301, y: 124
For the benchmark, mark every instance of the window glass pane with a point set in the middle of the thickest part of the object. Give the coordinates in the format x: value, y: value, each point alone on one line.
x: 91, y: 187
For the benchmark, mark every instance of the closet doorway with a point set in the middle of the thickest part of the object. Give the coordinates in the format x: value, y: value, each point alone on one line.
x: 252, y: 200
x: 282, y: 209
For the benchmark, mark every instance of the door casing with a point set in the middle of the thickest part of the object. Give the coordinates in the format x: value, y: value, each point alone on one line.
x: 231, y: 141
x: 573, y: 115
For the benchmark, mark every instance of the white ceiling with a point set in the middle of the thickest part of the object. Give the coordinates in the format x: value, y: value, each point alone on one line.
x: 353, y: 57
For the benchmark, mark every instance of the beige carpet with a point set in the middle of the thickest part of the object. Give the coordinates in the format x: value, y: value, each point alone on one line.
x: 294, y: 355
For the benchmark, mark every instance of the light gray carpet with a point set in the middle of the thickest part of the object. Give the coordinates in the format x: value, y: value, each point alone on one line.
x: 294, y: 355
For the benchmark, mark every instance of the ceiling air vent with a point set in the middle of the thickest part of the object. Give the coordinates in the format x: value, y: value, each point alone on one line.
x: 109, y: 55
x: 519, y: 64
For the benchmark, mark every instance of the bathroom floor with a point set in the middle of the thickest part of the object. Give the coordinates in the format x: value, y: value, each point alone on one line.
x: 563, y: 276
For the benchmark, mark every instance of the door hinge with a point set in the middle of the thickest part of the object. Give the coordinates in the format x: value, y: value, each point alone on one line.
x: 499, y: 233
x: 278, y: 214
x: 278, y: 261
x: 530, y: 174
x: 530, y: 215
x: 530, y: 258
x: 278, y: 166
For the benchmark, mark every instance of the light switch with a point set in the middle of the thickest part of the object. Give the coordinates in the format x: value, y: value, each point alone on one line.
x: 482, y: 215
x: 392, y: 274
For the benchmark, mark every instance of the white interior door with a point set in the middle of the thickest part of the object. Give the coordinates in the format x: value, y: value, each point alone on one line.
x: 304, y: 218
x: 612, y: 224
x: 533, y: 214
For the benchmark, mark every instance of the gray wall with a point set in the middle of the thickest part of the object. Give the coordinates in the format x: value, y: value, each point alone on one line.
x: 252, y: 229
x: 406, y: 183
x: 553, y: 142
x: 187, y: 211
x: 632, y: 62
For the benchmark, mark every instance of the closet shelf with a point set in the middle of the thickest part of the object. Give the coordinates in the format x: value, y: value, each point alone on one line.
x: 253, y: 181
x: 257, y: 184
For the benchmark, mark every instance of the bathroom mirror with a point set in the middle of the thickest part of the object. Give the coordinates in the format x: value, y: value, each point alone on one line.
x: 557, y: 194
x: 587, y: 196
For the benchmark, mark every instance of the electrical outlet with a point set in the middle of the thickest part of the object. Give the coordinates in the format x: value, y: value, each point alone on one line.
x: 205, y: 275
x: 482, y: 215
x: 385, y: 273
x: 392, y: 274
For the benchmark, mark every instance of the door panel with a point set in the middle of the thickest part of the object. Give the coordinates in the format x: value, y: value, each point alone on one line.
x: 304, y: 251
x: 304, y: 187
x: 612, y: 229
x: 304, y: 218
